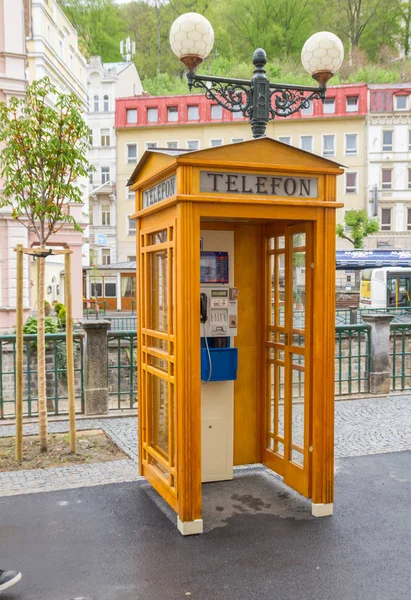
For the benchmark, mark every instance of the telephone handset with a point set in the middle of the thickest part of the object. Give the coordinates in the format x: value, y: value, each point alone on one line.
x: 203, y: 307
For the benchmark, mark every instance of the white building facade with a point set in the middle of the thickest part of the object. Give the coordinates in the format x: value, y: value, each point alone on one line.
x: 105, y: 83
x: 389, y: 164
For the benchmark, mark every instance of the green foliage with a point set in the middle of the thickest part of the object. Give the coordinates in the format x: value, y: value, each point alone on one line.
x: 57, y: 307
x: 47, y: 308
x: 373, y: 29
x: 358, y: 226
x: 30, y: 326
x: 43, y: 154
x: 62, y: 317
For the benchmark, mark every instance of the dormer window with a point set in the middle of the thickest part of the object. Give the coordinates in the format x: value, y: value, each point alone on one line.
x: 401, y: 102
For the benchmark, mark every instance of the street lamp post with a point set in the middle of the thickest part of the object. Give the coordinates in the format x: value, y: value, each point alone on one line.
x: 192, y: 39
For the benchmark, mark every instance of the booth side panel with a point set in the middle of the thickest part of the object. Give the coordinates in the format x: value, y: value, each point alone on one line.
x: 188, y: 364
x: 323, y: 359
x: 139, y: 289
x: 247, y: 392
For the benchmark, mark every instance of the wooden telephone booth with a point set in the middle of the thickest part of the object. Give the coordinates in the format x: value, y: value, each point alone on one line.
x: 269, y: 208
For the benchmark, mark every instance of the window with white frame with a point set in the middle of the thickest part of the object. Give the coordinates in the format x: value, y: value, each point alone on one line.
x: 106, y: 106
x: 131, y: 153
x: 387, y: 141
x: 130, y: 195
x: 131, y: 258
x: 409, y: 179
x: 216, y: 112
x: 216, y: 142
x: 401, y: 102
x: 193, y: 144
x: 105, y: 174
x: 96, y: 104
x: 152, y: 115
x: 90, y: 136
x: 131, y: 226
x: 90, y: 173
x: 329, y: 106
x: 172, y: 145
x: 352, y: 104
x: 408, y: 219
x: 105, y: 137
x: 328, y: 145
x: 409, y: 140
x: 105, y: 260
x: 151, y: 145
x: 91, y: 213
x: 193, y: 113
x: 386, y: 179
x: 237, y: 114
x: 110, y: 284
x: 172, y: 113
x: 105, y: 213
x: 351, y: 144
x: 131, y: 116
x: 351, y: 182
x: 307, y: 110
x: 96, y: 287
x: 285, y: 139
x: 386, y: 219
x: 306, y: 143
x: 236, y: 140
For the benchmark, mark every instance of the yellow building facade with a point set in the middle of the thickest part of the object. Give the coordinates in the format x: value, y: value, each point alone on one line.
x: 167, y: 122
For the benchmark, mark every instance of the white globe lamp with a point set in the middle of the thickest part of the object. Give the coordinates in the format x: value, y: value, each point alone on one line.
x: 191, y: 39
x: 322, y: 55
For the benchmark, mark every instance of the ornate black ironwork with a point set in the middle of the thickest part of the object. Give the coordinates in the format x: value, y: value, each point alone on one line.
x: 258, y: 99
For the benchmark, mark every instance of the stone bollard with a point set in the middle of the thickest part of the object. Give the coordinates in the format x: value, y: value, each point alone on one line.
x: 380, y: 374
x: 95, y: 367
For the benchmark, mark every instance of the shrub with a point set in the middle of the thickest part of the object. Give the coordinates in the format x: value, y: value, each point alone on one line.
x: 62, y: 317
x: 47, y: 308
x: 30, y: 325
x: 57, y: 307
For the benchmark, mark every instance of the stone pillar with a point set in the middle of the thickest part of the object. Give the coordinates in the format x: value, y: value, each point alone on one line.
x: 380, y: 373
x: 95, y: 367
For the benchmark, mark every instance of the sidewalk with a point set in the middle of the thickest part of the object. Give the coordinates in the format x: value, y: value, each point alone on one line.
x: 362, y: 427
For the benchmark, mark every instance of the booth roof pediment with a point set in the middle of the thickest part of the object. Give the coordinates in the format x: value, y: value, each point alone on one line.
x: 261, y: 153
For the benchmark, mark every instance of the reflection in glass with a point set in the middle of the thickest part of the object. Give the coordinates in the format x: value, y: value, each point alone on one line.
x: 298, y: 240
x: 297, y: 416
x: 159, y: 413
x: 158, y: 318
x: 299, y: 290
x: 159, y: 237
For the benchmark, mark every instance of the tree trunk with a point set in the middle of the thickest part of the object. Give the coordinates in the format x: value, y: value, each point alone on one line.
x: 41, y: 355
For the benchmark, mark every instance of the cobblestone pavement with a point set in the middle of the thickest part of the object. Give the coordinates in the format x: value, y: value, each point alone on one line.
x: 365, y: 426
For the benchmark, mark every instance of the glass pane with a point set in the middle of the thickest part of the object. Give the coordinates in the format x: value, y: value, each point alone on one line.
x: 158, y: 318
x: 272, y: 282
x: 158, y: 395
x: 281, y: 289
x: 280, y: 381
x: 159, y: 237
x: 298, y: 240
x: 299, y: 290
x: 280, y: 241
x: 297, y: 417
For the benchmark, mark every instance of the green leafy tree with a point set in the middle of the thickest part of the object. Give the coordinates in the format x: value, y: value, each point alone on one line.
x: 43, y: 140
x: 358, y: 226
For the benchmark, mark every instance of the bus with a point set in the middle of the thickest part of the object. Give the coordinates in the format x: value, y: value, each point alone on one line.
x: 386, y: 287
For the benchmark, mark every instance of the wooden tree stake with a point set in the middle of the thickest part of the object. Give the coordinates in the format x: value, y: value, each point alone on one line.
x: 19, y: 354
x: 69, y: 351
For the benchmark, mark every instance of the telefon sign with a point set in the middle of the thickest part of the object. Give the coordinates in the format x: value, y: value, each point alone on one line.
x: 261, y: 185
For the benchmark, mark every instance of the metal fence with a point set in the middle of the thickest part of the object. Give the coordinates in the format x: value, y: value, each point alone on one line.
x: 56, y: 374
x: 353, y: 316
x: 400, y: 356
x: 122, y: 369
x: 352, y: 359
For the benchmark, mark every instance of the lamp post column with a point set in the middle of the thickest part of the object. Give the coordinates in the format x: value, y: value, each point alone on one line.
x: 260, y: 95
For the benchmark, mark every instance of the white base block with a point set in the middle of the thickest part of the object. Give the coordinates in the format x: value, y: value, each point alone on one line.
x: 190, y: 527
x: 322, y: 510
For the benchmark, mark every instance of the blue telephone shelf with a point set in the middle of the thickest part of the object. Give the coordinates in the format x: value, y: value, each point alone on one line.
x: 224, y: 363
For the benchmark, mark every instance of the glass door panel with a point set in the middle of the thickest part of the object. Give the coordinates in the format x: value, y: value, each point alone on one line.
x: 288, y: 330
x: 157, y: 423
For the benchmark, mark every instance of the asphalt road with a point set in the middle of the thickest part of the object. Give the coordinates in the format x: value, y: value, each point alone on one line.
x: 113, y: 542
